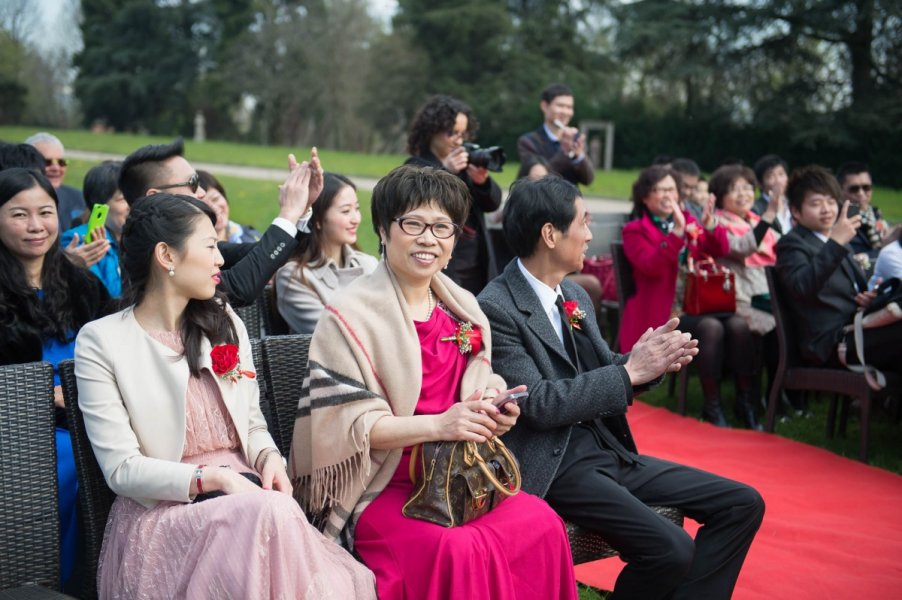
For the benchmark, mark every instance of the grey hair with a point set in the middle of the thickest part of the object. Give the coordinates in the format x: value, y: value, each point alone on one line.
x: 44, y: 137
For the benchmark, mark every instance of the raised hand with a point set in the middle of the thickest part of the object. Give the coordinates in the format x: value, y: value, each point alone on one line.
x: 457, y: 160
x: 659, y: 350
x: 679, y: 219
x: 294, y: 194
x: 845, y: 227
x: 88, y: 254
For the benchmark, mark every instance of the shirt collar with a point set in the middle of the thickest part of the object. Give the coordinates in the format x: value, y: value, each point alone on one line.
x: 820, y: 235
x: 547, y: 296
x: 550, y: 135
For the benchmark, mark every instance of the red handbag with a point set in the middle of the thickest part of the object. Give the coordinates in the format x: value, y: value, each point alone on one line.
x: 602, y: 267
x: 710, y: 288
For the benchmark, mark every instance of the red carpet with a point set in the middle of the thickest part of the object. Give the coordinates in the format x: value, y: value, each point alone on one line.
x: 833, y: 527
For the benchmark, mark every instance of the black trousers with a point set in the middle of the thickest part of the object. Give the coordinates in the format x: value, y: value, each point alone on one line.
x: 595, y: 489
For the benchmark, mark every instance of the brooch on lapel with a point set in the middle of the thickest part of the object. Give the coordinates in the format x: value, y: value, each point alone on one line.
x: 575, y: 314
x: 467, y: 337
x: 226, y: 364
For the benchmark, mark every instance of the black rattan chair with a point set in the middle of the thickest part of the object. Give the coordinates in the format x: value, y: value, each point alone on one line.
x: 252, y: 316
x: 793, y: 375
x: 285, y: 368
x: 587, y: 546
x: 275, y: 324
x: 29, y: 515
x: 94, y: 497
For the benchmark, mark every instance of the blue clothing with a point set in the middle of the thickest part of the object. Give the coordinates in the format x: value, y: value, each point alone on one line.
x: 107, y: 270
x: 53, y: 352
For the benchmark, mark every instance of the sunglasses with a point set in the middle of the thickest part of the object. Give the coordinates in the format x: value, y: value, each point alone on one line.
x: 192, y: 183
x: 854, y: 189
x: 60, y: 162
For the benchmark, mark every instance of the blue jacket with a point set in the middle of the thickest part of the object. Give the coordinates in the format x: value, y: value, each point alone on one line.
x: 107, y: 270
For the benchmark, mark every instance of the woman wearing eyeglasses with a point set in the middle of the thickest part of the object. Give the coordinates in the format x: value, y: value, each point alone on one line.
x: 387, y: 372
x: 660, y: 238
x: 436, y: 139
x: 325, y: 261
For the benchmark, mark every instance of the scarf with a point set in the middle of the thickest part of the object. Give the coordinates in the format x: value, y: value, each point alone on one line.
x: 871, y: 226
x: 365, y: 364
x: 766, y: 254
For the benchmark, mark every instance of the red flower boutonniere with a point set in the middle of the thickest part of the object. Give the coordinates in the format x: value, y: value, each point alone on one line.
x: 574, y: 313
x: 693, y: 231
x: 226, y: 364
x: 467, y: 337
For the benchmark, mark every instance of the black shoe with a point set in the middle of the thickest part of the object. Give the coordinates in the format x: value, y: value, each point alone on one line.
x: 745, y: 412
x: 712, y: 413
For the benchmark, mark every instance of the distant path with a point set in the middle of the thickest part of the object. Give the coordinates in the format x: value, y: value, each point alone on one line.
x: 595, y: 204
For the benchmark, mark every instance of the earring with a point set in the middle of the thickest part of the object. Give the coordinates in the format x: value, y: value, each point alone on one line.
x: 171, y: 271
x: 445, y: 268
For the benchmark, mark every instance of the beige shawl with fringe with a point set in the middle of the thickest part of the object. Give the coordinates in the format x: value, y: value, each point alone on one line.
x: 365, y: 363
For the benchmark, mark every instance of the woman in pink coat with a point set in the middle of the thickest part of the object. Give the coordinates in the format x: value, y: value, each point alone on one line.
x: 656, y: 242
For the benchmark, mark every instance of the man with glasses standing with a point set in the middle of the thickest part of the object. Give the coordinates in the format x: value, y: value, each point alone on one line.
x: 71, y: 202
x: 857, y: 187
x: 248, y: 267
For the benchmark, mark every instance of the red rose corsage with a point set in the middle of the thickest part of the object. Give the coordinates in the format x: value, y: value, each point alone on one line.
x: 226, y: 364
x: 575, y: 314
x: 693, y: 232
x: 467, y: 337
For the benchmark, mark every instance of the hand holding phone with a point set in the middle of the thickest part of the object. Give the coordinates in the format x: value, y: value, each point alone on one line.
x: 97, y: 219
x: 513, y: 398
x: 854, y: 209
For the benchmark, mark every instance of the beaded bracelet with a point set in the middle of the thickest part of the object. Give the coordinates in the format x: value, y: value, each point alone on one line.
x: 264, y: 456
x: 198, y: 478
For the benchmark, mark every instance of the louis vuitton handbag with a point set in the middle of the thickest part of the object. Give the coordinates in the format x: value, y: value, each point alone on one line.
x: 456, y: 482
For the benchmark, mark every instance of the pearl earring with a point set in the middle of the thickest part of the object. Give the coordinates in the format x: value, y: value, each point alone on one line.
x: 171, y: 271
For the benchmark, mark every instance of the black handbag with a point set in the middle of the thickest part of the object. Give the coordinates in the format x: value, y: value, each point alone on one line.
x: 456, y: 482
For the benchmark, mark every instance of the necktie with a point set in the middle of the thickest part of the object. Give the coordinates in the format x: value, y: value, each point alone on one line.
x: 569, y: 342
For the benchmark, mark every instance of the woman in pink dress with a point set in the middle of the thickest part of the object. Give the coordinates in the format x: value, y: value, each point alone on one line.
x: 170, y: 404
x: 387, y: 374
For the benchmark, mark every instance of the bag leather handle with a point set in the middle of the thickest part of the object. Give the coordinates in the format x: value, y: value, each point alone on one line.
x: 515, y: 468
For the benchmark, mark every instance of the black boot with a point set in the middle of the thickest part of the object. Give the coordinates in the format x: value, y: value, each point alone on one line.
x: 713, y: 413
x: 745, y: 407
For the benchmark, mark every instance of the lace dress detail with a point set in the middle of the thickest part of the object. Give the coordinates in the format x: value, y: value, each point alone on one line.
x: 249, y: 545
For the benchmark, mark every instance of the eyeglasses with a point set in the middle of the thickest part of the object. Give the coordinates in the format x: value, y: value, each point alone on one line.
x: 59, y: 162
x: 192, y: 183
x: 441, y: 230
x: 742, y: 188
x: 664, y: 190
x: 456, y: 134
x: 865, y: 187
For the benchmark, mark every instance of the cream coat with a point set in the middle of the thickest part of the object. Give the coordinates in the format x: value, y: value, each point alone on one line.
x: 131, y: 391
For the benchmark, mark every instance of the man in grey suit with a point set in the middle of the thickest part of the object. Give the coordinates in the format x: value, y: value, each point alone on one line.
x: 572, y: 438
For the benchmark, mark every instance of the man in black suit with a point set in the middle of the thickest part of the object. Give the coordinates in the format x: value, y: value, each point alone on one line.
x: 562, y: 146
x: 827, y: 287
x: 572, y: 438
x: 248, y: 267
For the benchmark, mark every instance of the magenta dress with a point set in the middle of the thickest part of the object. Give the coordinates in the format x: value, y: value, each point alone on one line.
x: 518, y: 550
x: 252, y: 545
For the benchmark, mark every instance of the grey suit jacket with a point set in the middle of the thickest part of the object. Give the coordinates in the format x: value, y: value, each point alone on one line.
x: 526, y: 350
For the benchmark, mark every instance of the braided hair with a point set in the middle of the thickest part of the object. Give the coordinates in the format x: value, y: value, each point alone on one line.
x: 171, y: 219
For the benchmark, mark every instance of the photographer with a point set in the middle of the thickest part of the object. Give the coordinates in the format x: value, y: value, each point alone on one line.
x: 436, y: 139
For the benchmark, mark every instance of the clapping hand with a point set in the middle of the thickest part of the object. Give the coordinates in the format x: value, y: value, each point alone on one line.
x: 665, y: 349
x: 679, y: 219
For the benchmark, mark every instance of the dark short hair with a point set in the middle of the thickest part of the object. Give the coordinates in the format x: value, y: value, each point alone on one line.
x: 649, y: 177
x: 408, y: 187
x: 531, y: 161
x: 438, y: 116
x: 554, y: 90
x: 812, y: 178
x: 25, y: 156
x: 101, y: 182
x: 850, y: 168
x: 143, y: 168
x: 686, y: 166
x: 208, y: 181
x: 724, y: 177
x: 532, y: 204
x: 766, y: 163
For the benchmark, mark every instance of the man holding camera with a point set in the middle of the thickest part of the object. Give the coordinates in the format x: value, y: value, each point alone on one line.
x: 555, y: 141
x: 436, y: 139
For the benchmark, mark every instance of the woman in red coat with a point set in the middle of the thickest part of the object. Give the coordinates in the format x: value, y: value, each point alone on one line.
x: 658, y: 239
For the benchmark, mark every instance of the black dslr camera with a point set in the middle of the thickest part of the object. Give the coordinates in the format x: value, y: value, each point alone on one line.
x: 492, y: 158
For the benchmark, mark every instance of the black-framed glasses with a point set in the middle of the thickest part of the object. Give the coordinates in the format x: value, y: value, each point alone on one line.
x: 441, y: 230
x: 864, y: 187
x: 60, y: 162
x: 192, y: 183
